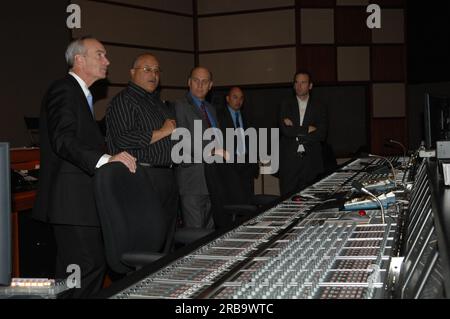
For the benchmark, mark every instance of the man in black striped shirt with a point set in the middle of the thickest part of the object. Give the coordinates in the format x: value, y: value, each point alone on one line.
x: 137, y: 121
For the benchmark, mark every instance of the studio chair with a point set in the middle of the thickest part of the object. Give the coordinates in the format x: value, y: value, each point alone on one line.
x: 231, y: 203
x: 187, y: 235
x: 132, y: 220
x: 32, y: 124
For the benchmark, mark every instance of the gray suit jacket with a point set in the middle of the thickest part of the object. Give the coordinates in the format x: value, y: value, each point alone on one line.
x: 191, y: 177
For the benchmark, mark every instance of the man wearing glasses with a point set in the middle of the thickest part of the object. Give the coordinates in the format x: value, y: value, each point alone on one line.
x: 137, y: 121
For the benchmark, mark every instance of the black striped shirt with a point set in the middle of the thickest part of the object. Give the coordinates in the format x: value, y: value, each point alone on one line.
x: 131, y: 118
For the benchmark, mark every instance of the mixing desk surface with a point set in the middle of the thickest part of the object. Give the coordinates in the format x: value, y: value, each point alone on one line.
x: 307, y: 246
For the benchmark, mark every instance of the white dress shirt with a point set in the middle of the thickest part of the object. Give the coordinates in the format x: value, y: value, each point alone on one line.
x: 302, y: 110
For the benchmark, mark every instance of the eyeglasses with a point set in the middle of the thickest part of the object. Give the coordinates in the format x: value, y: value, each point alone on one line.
x: 147, y: 69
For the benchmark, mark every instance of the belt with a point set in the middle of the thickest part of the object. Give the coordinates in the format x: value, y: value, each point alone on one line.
x: 155, y: 166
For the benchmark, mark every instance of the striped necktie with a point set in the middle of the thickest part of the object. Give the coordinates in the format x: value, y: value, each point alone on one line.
x: 205, y: 114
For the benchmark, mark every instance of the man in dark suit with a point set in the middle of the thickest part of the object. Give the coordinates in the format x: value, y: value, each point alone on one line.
x: 72, y: 147
x: 303, y: 124
x: 232, y: 117
x: 194, y: 196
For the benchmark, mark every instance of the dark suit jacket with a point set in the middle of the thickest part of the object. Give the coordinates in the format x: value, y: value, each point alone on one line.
x: 191, y: 177
x: 71, y: 145
x: 226, y: 121
x: 315, y: 115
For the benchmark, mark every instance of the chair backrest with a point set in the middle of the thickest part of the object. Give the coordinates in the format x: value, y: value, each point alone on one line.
x: 130, y: 213
x: 225, y: 188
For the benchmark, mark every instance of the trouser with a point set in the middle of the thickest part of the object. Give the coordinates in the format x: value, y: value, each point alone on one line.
x: 80, y: 246
x: 297, y: 176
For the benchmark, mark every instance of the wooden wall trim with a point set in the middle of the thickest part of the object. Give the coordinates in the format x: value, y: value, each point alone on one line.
x: 133, y: 6
x: 262, y: 10
x: 269, y: 47
x: 145, y: 47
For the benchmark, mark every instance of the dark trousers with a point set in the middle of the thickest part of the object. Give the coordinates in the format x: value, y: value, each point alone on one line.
x: 297, y: 175
x: 82, y: 246
x: 164, y: 183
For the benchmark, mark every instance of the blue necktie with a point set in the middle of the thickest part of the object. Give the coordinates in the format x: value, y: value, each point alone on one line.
x: 240, y: 149
x: 91, y: 103
x: 237, y: 124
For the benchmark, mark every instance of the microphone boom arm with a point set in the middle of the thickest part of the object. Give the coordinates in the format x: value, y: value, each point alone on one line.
x: 358, y: 186
x: 378, y: 201
x: 390, y: 164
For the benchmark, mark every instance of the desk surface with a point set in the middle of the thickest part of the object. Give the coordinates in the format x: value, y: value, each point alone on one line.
x: 25, y: 158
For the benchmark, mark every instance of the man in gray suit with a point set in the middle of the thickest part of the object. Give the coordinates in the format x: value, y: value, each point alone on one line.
x: 195, y: 201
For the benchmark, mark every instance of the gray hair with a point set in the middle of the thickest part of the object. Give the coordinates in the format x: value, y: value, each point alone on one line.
x: 75, y: 47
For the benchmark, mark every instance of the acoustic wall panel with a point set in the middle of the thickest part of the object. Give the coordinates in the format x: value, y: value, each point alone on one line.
x: 389, y: 100
x: 249, y: 67
x: 247, y: 30
x: 220, y: 6
x: 317, y: 26
x: 134, y: 26
x: 392, y: 27
x: 353, y: 63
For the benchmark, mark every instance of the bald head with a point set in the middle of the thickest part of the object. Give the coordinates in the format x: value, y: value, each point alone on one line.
x: 145, y: 72
x: 235, y: 98
x: 200, y: 82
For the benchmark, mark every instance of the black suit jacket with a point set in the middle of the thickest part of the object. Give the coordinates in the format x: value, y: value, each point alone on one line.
x: 247, y: 171
x: 71, y: 145
x: 292, y: 137
x: 226, y: 121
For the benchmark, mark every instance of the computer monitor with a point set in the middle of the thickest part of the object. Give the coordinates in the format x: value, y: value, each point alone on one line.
x: 5, y: 216
x: 437, y: 120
